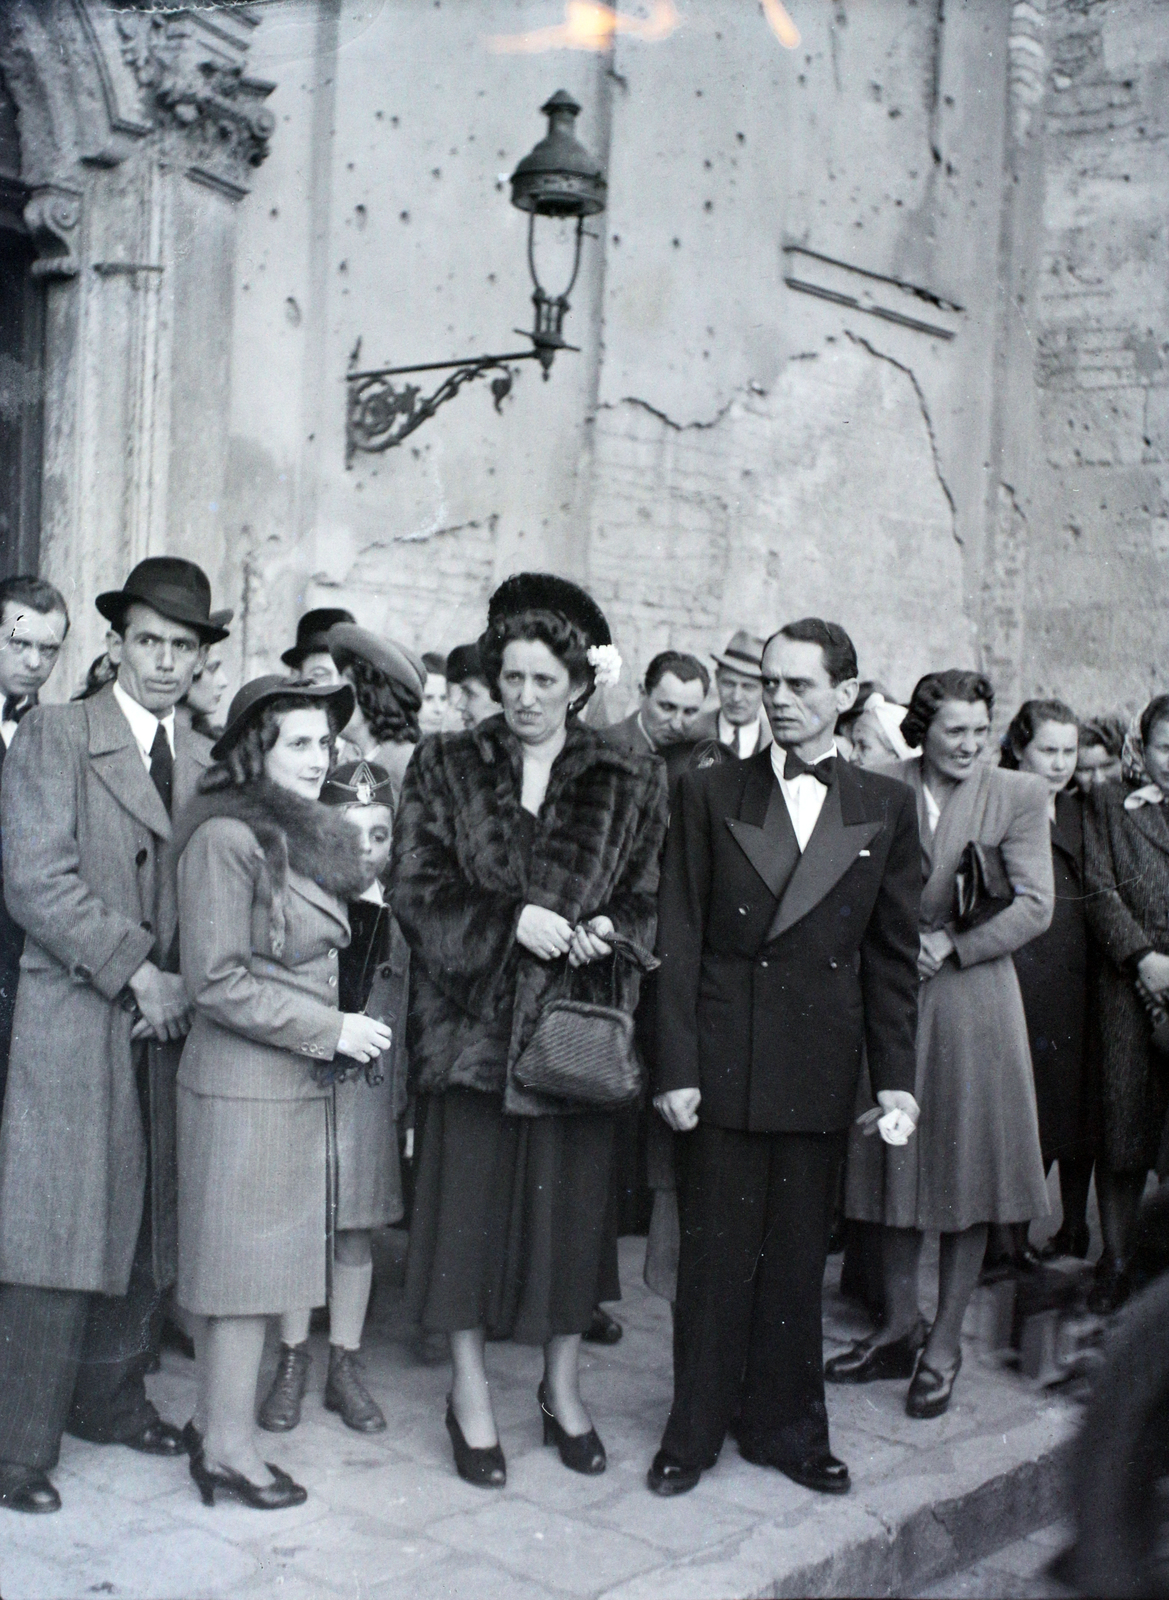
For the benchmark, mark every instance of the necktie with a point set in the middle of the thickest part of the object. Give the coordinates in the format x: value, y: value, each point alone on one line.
x: 16, y: 707
x: 162, y: 766
x: 795, y: 766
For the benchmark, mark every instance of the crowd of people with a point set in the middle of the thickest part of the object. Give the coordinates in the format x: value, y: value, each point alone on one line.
x: 394, y: 908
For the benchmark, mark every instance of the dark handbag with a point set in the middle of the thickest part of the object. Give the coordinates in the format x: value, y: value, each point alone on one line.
x: 981, y: 886
x: 583, y: 1052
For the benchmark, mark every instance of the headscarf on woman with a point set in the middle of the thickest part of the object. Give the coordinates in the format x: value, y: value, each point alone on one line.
x: 1143, y: 791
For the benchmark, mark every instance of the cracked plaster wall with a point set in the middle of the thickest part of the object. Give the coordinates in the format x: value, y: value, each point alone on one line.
x: 1089, y: 597
x: 723, y: 449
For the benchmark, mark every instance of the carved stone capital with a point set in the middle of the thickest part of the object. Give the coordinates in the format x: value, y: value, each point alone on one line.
x: 191, y: 74
x: 53, y: 217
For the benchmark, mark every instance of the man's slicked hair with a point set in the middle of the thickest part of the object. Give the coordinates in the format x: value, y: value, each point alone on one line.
x: 687, y: 669
x: 34, y: 593
x: 840, y: 661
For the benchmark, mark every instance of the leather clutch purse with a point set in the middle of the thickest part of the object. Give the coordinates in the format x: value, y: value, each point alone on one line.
x: 981, y: 886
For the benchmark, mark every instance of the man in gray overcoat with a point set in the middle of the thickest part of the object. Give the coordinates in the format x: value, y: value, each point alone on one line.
x: 87, y: 1134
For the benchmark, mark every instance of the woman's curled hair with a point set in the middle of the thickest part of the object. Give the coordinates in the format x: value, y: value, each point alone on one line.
x: 565, y: 640
x: 390, y: 709
x: 932, y: 692
x: 1026, y: 723
x: 244, y: 762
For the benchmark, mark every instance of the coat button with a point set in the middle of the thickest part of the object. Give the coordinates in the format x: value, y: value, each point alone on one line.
x: 147, y: 927
x: 332, y: 955
x: 763, y: 963
x: 832, y: 964
x: 332, y: 983
x: 83, y: 972
x: 742, y: 911
x: 142, y: 857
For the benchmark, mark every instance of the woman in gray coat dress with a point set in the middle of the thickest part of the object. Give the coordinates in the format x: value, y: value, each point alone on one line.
x: 264, y: 875
x: 1126, y: 871
x: 975, y: 1158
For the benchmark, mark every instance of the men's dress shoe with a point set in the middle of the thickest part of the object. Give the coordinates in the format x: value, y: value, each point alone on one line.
x: 667, y: 1477
x: 280, y: 1411
x: 820, y: 1471
x: 157, y: 1438
x: 929, y: 1393
x: 345, y: 1393
x: 26, y: 1489
x: 603, y: 1329
x: 868, y: 1361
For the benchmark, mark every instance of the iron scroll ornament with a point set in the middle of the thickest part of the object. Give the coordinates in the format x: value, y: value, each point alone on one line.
x: 381, y: 414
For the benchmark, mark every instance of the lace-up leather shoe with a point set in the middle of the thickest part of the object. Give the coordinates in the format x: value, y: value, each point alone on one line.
x: 280, y: 1412
x: 347, y: 1394
x: 26, y: 1489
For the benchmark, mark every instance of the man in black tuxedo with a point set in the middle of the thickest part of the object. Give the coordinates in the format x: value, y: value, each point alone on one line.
x: 34, y: 620
x: 788, y: 932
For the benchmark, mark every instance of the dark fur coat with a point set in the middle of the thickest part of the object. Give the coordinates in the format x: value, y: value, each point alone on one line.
x: 315, y: 840
x: 461, y: 876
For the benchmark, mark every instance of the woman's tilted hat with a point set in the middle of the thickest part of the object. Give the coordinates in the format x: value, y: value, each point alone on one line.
x: 312, y: 635
x: 358, y: 783
x: 544, y: 591
x: 348, y: 642
x: 176, y: 589
x: 262, y: 691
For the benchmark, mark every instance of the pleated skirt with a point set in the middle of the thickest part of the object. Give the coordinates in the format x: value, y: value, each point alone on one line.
x: 252, y: 1204
x: 510, y: 1216
x: 975, y: 1156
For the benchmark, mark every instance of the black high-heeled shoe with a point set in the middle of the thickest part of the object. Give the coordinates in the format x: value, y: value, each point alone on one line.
x: 582, y: 1452
x: 275, y: 1496
x: 929, y: 1393
x: 485, y: 1468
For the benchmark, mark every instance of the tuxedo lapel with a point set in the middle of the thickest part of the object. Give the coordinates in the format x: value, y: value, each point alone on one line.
x: 117, y: 761
x: 840, y: 834
x: 763, y: 829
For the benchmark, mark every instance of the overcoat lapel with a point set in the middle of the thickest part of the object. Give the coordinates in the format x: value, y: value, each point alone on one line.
x: 1152, y: 822
x: 1067, y: 833
x: 117, y: 762
x: 763, y: 829
x: 840, y: 834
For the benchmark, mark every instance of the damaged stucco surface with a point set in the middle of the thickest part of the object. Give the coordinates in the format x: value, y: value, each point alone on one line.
x: 726, y: 450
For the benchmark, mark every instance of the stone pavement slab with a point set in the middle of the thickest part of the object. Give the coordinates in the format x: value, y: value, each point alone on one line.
x: 388, y: 1515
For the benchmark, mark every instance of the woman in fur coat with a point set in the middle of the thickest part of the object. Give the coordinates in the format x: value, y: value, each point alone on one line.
x: 1126, y: 872
x: 264, y: 874
x: 519, y: 846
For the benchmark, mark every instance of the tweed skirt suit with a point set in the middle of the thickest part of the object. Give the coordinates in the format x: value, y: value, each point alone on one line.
x: 261, y: 967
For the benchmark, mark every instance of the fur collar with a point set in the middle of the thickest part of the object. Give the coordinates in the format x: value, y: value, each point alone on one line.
x: 317, y: 841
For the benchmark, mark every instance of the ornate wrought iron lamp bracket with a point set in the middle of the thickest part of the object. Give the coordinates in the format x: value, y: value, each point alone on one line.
x: 557, y: 179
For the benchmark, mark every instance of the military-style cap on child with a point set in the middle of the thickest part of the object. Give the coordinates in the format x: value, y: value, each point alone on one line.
x: 358, y: 783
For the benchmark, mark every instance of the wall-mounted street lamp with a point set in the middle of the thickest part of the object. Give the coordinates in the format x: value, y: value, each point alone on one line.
x: 559, y: 178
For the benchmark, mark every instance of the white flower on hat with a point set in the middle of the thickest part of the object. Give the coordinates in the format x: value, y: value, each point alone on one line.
x: 605, y: 660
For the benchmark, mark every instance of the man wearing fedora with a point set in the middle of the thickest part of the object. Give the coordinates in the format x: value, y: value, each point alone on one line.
x: 740, y: 723
x: 87, y: 1228
x: 309, y: 657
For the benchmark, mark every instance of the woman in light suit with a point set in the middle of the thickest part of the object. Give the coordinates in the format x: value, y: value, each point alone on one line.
x: 975, y: 1158
x: 264, y: 875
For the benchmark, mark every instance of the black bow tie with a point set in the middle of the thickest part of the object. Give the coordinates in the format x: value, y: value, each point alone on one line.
x: 795, y: 766
x: 16, y: 707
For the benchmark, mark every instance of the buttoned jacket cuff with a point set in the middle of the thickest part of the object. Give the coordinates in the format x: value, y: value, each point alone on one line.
x: 320, y: 1043
x: 120, y: 966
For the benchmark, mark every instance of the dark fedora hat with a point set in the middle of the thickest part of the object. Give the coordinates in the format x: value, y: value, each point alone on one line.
x: 312, y: 634
x: 263, y: 691
x: 348, y: 642
x: 176, y: 589
x: 544, y: 591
